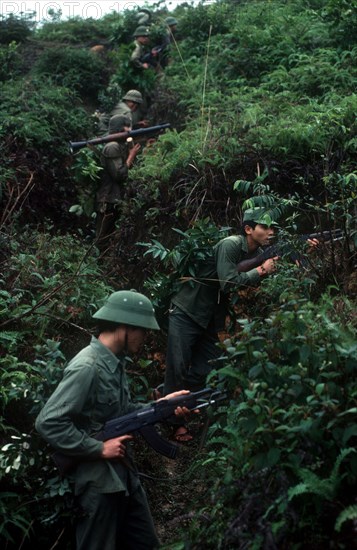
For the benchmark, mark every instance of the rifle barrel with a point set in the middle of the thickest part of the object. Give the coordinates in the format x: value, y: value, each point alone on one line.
x: 120, y: 136
x: 279, y: 248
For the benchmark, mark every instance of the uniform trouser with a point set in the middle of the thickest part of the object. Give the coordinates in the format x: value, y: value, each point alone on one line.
x: 190, y: 348
x: 113, y: 521
x: 107, y: 215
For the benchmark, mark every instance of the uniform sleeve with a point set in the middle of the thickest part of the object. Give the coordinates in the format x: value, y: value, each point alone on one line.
x: 136, y: 57
x: 66, y: 409
x: 114, y: 159
x: 228, y: 255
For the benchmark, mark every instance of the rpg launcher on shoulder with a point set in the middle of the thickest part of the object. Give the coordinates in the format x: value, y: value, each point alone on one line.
x: 143, y: 421
x: 286, y: 249
x: 120, y: 136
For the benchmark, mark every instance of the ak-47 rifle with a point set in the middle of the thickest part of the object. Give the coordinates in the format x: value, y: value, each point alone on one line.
x: 143, y: 421
x: 283, y: 249
x: 120, y: 136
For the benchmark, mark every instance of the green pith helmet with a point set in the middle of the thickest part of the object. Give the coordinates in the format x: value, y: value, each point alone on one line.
x: 133, y: 95
x: 170, y: 21
x: 128, y: 307
x: 143, y: 17
x: 141, y: 31
x: 258, y: 215
x: 117, y: 124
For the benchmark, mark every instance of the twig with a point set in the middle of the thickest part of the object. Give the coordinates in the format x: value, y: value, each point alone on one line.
x: 22, y: 195
x: 50, y: 294
x: 204, y: 91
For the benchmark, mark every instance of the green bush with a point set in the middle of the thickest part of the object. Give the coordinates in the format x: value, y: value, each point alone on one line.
x: 42, y: 116
x: 79, y: 70
x: 342, y: 18
x: 52, y: 286
x: 10, y: 61
x: 15, y: 29
x: 127, y: 76
x: 197, y: 23
x: 289, y: 428
x: 262, y: 106
x: 75, y: 31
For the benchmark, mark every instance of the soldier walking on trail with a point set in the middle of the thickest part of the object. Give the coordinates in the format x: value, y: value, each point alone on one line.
x: 116, y: 160
x: 94, y: 389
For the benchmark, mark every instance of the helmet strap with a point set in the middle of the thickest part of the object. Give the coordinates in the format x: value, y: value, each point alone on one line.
x: 126, y: 341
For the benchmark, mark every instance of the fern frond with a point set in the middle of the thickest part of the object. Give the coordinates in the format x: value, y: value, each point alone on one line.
x: 347, y: 514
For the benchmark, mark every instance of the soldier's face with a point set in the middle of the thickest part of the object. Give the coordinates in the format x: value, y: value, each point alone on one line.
x: 135, y: 339
x: 261, y: 234
x: 132, y: 105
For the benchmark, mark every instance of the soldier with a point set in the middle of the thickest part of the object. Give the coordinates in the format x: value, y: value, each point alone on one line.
x: 198, y: 310
x: 131, y: 106
x: 164, y: 48
x: 115, y: 512
x: 116, y: 160
x: 171, y: 28
x: 143, y: 57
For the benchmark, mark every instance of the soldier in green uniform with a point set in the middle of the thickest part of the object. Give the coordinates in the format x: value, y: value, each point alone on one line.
x: 143, y: 57
x: 198, y: 310
x: 115, y: 512
x: 171, y: 28
x: 116, y: 160
x: 131, y: 106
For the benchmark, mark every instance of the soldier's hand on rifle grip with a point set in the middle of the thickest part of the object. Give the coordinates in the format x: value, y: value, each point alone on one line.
x: 115, y: 448
x: 313, y: 244
x: 268, y: 266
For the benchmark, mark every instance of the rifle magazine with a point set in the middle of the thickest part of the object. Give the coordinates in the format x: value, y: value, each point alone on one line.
x: 158, y: 443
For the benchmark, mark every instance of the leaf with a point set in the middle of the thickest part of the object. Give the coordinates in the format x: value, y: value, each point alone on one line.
x: 349, y: 432
x: 349, y: 513
x: 273, y: 457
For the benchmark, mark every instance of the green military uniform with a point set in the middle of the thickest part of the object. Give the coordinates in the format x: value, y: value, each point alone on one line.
x: 93, y: 390
x: 140, y: 50
x: 168, y: 39
x: 216, y: 279
x: 199, y: 311
x: 142, y: 53
x: 122, y: 109
x: 112, y: 182
x: 115, y: 172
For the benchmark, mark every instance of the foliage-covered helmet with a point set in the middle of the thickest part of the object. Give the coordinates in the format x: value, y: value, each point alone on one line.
x: 130, y: 308
x: 259, y: 215
x: 144, y: 17
x: 141, y: 31
x: 133, y: 95
x: 117, y: 123
x: 170, y: 21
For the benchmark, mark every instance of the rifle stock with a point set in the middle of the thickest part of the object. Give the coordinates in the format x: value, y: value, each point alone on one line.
x: 120, y: 136
x: 278, y: 250
x: 143, y: 421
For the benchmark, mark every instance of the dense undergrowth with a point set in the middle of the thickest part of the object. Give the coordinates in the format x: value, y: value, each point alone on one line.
x: 261, y: 99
